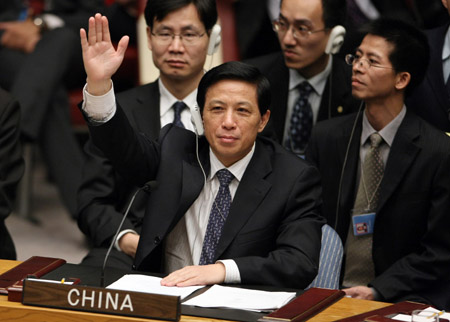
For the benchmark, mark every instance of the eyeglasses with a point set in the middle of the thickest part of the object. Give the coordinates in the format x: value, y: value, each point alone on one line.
x: 363, y: 62
x: 298, y: 31
x: 188, y: 38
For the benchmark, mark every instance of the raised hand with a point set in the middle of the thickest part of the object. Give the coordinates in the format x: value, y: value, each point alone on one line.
x: 101, y: 59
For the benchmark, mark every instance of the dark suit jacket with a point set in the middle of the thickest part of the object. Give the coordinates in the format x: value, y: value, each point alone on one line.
x: 411, y: 248
x: 273, y: 229
x: 339, y: 84
x: 11, y: 167
x: 430, y: 100
x: 104, y: 194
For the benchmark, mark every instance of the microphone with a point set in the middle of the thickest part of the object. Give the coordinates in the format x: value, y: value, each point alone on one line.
x: 147, y: 187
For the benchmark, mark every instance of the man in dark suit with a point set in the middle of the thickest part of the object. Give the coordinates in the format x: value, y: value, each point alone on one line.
x: 403, y: 195
x: 309, y: 32
x: 263, y: 226
x: 431, y: 100
x: 11, y: 167
x: 104, y: 194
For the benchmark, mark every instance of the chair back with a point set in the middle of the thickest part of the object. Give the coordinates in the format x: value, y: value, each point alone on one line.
x: 330, y: 263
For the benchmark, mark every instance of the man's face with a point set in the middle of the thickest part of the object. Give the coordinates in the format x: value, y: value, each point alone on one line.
x: 379, y: 81
x: 305, y: 54
x: 175, y: 60
x: 232, y: 119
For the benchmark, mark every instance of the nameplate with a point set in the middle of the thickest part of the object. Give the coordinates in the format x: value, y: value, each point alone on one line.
x: 101, y: 300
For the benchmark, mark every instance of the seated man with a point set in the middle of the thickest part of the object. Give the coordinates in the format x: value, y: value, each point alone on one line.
x: 104, y: 195
x: 11, y: 167
x: 386, y: 177
x: 230, y: 207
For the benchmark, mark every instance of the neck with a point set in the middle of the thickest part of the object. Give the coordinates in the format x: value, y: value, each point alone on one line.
x: 180, y: 88
x: 316, y: 68
x: 380, y: 114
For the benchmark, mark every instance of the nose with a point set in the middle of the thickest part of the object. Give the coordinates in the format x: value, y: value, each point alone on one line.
x: 228, y: 121
x: 288, y: 37
x: 358, y: 66
x: 176, y: 45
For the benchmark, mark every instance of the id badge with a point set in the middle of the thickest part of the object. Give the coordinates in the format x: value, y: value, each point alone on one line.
x: 363, y: 224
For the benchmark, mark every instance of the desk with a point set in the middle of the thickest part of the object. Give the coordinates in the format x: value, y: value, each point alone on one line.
x: 13, y: 311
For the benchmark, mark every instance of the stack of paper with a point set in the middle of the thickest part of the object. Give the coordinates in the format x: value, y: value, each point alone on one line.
x: 240, y: 298
x: 150, y: 284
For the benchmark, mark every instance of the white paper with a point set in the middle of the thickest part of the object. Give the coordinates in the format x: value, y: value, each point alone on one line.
x: 150, y: 284
x: 239, y: 298
x: 407, y: 318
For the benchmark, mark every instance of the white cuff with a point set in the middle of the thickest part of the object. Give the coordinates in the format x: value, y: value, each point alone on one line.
x: 123, y: 232
x: 232, y: 275
x: 99, y: 109
x: 52, y: 21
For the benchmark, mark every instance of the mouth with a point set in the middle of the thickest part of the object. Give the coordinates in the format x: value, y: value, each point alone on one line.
x: 356, y: 82
x: 289, y: 53
x: 176, y: 63
x: 227, y: 139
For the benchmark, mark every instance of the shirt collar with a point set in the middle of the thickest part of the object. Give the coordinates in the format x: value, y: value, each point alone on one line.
x: 237, y: 168
x: 167, y: 99
x: 387, y: 133
x: 317, y: 82
x: 446, y: 50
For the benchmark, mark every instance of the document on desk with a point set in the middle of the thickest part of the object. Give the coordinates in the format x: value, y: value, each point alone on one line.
x: 150, y: 284
x: 240, y: 298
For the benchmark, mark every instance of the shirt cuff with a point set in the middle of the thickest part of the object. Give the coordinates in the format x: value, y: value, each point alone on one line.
x: 232, y: 275
x: 52, y: 21
x: 123, y: 232
x: 99, y: 109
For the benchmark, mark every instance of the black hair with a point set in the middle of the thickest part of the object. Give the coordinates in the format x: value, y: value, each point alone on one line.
x: 410, y: 50
x: 334, y: 12
x: 159, y: 9
x: 236, y: 71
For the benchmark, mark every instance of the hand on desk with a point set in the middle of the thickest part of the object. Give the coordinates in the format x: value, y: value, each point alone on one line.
x: 101, y: 59
x: 196, y: 275
x: 128, y: 244
x: 360, y: 292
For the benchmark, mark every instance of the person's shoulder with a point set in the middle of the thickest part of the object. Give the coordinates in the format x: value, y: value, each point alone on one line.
x: 338, y: 122
x: 136, y: 93
x: 429, y: 133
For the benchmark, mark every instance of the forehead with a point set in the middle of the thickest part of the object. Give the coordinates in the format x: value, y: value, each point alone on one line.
x: 232, y: 90
x: 302, y: 10
x: 377, y: 46
x: 183, y: 17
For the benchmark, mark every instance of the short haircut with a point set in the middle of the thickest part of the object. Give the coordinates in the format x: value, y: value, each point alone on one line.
x: 410, y: 50
x: 236, y: 71
x: 334, y: 12
x: 159, y: 9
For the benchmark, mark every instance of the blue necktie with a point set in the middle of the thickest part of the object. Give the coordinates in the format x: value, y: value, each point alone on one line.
x: 219, y: 213
x: 178, y: 107
x: 301, y: 121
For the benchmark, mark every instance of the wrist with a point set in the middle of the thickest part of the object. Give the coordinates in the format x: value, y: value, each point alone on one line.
x: 40, y: 23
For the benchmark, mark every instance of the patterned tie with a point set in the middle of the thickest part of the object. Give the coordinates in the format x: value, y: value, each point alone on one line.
x: 219, y: 213
x: 178, y: 107
x: 301, y: 121
x: 359, y: 267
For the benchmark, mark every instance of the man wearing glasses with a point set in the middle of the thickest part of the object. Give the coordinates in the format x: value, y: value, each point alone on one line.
x: 308, y: 83
x: 387, y: 170
x: 178, y: 36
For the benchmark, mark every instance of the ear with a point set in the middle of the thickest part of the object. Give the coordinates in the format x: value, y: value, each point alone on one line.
x: 403, y: 79
x: 149, y: 38
x: 264, y: 119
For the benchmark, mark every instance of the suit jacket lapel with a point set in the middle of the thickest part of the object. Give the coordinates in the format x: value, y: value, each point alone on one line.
x: 147, y: 110
x: 250, y: 193
x: 435, y: 72
x: 350, y: 163
x: 402, y: 154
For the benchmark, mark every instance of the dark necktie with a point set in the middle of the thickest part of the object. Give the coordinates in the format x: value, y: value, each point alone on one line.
x: 178, y: 107
x: 301, y: 121
x: 359, y: 268
x: 355, y: 14
x: 219, y: 213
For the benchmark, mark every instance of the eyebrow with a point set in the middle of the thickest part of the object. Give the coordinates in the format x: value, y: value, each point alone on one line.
x: 296, y: 21
x: 358, y: 50
x: 188, y: 27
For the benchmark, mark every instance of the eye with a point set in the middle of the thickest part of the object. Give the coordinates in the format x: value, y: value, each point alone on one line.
x: 164, y: 34
x: 302, y: 28
x: 189, y: 35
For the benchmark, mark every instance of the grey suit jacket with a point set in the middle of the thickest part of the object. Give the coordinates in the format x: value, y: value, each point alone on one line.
x: 411, y: 248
